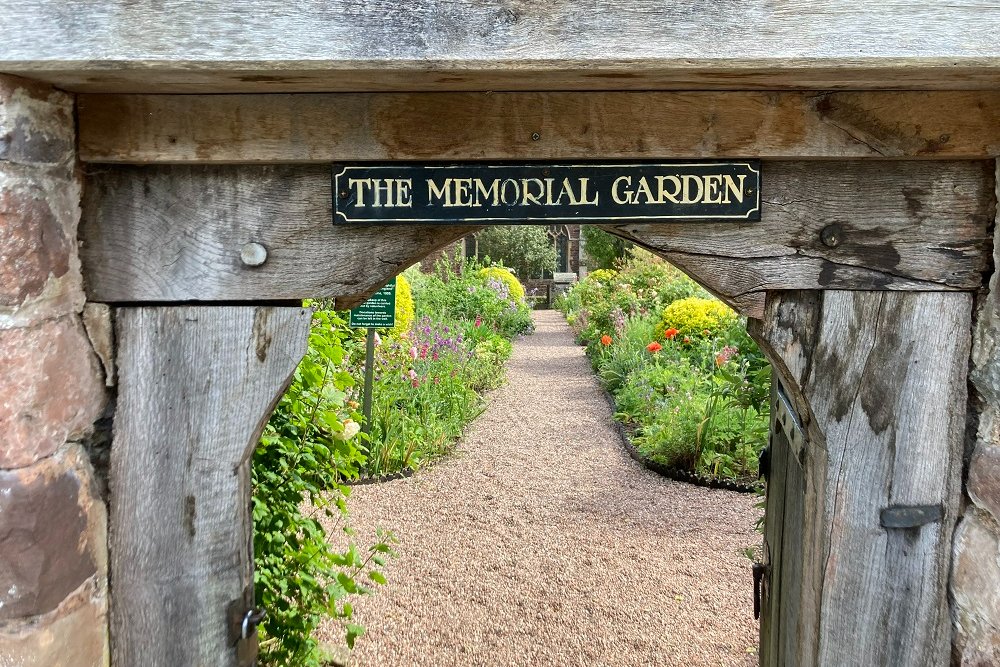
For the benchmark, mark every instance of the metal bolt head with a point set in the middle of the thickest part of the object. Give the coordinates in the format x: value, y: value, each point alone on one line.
x: 832, y: 235
x: 535, y: 136
x: 253, y: 254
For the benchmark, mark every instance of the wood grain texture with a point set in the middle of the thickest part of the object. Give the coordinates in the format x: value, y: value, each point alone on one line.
x: 196, y: 386
x: 475, y: 126
x: 877, y: 376
x: 189, y: 46
x: 906, y: 226
x: 175, y: 233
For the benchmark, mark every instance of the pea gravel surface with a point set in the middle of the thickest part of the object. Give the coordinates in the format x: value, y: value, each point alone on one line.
x: 539, y: 542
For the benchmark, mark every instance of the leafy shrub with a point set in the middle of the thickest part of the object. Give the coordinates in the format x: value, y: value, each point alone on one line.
x: 699, y: 397
x: 405, y: 312
x: 603, y: 250
x: 308, y: 447
x: 695, y: 316
x: 505, y: 276
x: 527, y: 249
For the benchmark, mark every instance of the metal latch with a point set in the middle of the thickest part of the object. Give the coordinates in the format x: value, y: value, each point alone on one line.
x: 243, y: 629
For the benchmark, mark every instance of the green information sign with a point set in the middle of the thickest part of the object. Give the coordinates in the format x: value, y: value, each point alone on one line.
x: 378, y: 312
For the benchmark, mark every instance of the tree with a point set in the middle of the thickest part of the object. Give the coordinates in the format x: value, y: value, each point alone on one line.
x: 602, y: 248
x: 527, y: 249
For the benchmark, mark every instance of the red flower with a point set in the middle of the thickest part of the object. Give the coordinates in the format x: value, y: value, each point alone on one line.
x: 605, y: 340
x: 654, y: 347
x: 687, y: 341
x: 670, y: 333
x: 479, y: 322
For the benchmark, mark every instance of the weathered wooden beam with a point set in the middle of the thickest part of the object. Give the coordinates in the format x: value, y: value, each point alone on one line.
x: 176, y: 233
x: 196, y: 386
x: 473, y: 126
x: 908, y: 226
x: 875, y: 378
x: 192, y: 46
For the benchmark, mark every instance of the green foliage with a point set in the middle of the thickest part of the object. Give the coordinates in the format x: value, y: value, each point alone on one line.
x: 405, y: 312
x: 601, y: 303
x: 308, y: 448
x: 604, y: 250
x: 505, y: 275
x: 696, y: 316
x: 698, y: 398
x: 527, y: 249
x: 463, y: 295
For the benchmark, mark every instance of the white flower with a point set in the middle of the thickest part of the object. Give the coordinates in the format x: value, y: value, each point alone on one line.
x: 351, y: 429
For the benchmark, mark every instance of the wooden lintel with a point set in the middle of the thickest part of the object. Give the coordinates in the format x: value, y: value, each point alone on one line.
x: 479, y: 126
x: 270, y: 45
x: 875, y: 378
x: 174, y: 233
x: 912, y: 226
x: 196, y: 386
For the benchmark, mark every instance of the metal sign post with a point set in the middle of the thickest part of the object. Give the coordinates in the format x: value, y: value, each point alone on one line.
x: 379, y: 311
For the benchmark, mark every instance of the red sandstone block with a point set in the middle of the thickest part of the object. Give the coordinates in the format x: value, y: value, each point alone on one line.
x: 976, y: 593
x: 33, y: 244
x: 51, y: 389
x: 76, y: 637
x: 984, y: 478
x: 53, y: 534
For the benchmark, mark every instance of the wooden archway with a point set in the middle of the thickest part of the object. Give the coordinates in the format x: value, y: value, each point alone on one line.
x: 197, y: 139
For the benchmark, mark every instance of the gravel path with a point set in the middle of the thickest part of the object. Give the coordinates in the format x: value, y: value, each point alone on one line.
x: 539, y: 542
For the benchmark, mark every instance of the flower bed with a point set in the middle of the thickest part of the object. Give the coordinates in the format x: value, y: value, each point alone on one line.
x: 685, y: 377
x: 453, y: 335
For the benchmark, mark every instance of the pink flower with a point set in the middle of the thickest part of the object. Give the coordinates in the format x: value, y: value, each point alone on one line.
x: 479, y: 321
x: 434, y: 357
x: 378, y: 339
x: 413, y: 352
x: 413, y: 374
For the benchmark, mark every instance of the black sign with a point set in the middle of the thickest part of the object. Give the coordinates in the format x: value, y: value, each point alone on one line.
x: 537, y: 193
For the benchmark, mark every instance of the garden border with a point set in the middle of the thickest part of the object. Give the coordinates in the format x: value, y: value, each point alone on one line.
x: 674, y: 474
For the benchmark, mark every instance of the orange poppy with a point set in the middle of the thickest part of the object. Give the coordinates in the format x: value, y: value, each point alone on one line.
x: 605, y: 340
x: 654, y: 347
x: 670, y: 333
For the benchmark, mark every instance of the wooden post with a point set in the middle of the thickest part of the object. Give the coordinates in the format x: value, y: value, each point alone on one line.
x: 870, y: 496
x: 196, y: 386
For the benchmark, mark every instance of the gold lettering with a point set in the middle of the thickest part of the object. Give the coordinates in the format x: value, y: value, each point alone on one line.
x: 583, y: 194
x: 615, y: 192
x: 526, y: 192
x: 380, y: 186
x: 463, y: 191
x: 404, y: 196
x: 733, y: 189
x: 712, y: 184
x: 509, y: 201
x: 662, y: 192
x: 687, y: 197
x: 643, y: 188
x: 548, y: 193
x: 492, y: 191
x: 444, y: 192
x: 359, y: 189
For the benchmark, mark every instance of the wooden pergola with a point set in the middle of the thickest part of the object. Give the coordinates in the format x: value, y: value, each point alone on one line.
x: 204, y: 126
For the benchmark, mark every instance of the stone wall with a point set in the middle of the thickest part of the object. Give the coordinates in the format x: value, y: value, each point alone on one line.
x: 975, y: 585
x: 53, y: 536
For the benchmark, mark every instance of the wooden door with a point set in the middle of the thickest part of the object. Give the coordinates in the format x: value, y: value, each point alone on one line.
x: 781, y: 577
